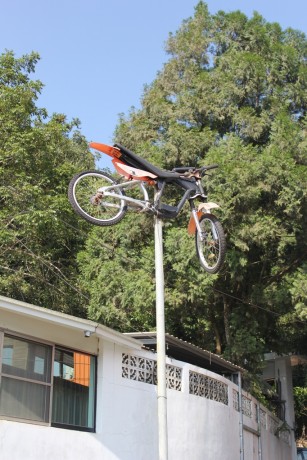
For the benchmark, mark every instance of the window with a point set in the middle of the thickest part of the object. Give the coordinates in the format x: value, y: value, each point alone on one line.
x: 25, y: 388
x: 73, y: 389
x: 47, y: 384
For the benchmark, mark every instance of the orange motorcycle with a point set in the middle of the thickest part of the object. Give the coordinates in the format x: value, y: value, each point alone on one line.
x: 102, y: 200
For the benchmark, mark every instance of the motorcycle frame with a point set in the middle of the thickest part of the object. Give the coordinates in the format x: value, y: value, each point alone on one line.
x: 146, y: 205
x: 145, y: 202
x: 140, y: 177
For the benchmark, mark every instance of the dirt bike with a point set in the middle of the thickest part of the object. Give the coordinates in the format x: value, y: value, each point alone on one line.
x: 101, y: 200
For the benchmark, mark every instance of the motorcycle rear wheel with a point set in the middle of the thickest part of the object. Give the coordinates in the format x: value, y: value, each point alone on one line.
x: 92, y: 205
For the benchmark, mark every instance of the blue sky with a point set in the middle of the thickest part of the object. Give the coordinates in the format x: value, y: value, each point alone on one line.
x: 96, y: 56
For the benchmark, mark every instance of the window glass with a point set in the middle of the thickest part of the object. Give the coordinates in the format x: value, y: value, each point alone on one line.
x: 24, y: 400
x: 73, y: 389
x: 26, y: 371
x: 26, y: 382
x: 7, y: 355
x: 26, y: 359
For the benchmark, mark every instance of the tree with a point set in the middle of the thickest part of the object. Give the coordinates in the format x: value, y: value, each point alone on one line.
x: 232, y: 92
x: 38, y: 156
x: 300, y: 402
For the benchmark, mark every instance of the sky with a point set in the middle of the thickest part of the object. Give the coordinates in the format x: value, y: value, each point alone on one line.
x: 96, y: 56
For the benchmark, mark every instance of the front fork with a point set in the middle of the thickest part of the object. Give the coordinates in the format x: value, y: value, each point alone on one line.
x: 195, y: 216
x: 194, y: 220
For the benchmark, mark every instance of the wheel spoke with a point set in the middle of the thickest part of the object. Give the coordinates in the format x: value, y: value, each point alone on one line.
x: 92, y: 204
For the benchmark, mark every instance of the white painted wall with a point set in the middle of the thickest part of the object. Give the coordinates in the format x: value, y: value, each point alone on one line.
x: 126, y: 422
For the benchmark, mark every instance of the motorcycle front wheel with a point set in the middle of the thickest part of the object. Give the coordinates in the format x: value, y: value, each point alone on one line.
x: 211, y: 243
x: 92, y: 205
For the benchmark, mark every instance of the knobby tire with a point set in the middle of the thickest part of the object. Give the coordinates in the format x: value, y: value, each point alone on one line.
x: 212, y: 250
x: 82, y: 194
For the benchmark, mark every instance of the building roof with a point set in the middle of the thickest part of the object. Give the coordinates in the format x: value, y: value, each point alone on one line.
x: 176, y: 348
x: 85, y: 326
x: 189, y: 353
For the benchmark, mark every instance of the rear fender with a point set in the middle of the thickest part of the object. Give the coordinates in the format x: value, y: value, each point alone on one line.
x: 203, y: 208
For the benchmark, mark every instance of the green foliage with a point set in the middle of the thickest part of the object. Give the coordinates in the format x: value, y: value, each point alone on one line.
x: 300, y: 400
x: 232, y: 92
x: 300, y: 406
x: 38, y: 156
x: 120, y: 276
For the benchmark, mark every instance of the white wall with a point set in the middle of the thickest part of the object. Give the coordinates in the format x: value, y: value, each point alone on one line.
x: 198, y: 428
x: 126, y: 424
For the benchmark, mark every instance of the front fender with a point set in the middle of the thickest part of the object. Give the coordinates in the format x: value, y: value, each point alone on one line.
x: 203, y: 208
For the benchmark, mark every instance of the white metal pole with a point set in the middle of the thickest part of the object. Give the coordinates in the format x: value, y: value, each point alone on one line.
x: 259, y: 433
x: 160, y: 325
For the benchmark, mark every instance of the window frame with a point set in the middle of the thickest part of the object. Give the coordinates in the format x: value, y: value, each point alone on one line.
x: 53, y: 346
x: 65, y: 425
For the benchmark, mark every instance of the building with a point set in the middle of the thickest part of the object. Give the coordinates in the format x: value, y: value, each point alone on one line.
x: 72, y: 389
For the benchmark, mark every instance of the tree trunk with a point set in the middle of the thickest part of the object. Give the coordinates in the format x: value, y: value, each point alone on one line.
x: 218, y: 342
x: 227, y: 321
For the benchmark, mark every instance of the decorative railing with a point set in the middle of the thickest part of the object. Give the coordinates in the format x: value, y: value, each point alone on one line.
x: 273, y: 424
x: 246, y: 403
x: 263, y: 421
x: 144, y: 370
x: 207, y: 387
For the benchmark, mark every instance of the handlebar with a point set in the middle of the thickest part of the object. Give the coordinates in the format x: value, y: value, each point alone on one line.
x: 206, y: 168
x: 183, y: 169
